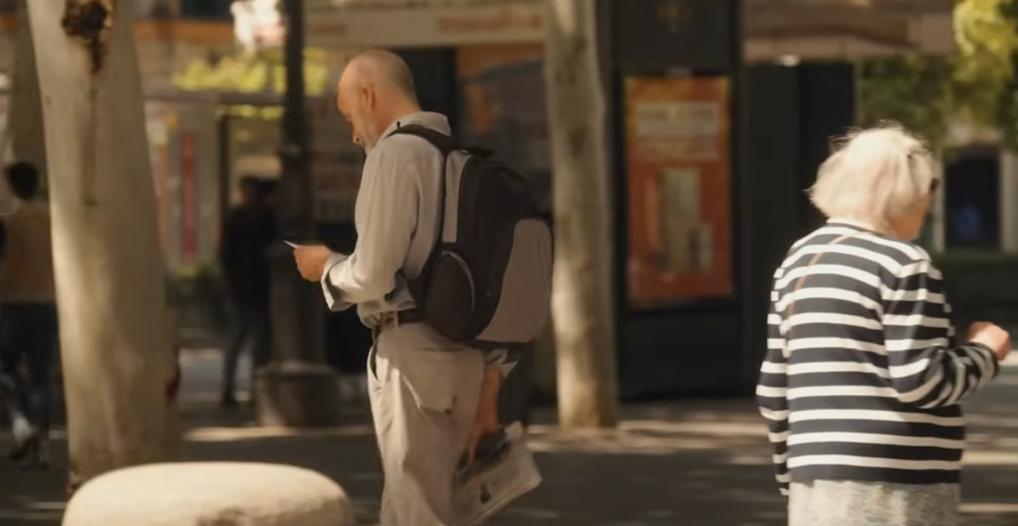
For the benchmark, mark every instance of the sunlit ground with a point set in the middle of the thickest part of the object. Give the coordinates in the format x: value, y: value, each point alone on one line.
x: 690, y: 462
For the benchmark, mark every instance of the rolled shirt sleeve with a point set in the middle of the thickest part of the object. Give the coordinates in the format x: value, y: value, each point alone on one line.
x: 332, y: 294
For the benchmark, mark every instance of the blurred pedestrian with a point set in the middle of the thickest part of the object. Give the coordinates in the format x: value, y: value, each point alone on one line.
x: 248, y: 231
x: 864, y: 377
x: 9, y: 406
x: 28, y: 325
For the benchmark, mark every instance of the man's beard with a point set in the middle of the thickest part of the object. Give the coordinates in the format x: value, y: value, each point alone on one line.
x: 367, y: 143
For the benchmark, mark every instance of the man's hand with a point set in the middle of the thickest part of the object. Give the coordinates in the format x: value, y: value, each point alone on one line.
x: 992, y: 336
x: 486, y: 421
x: 311, y: 261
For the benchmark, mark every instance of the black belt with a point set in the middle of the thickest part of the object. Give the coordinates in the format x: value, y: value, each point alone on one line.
x: 395, y: 319
x: 392, y: 319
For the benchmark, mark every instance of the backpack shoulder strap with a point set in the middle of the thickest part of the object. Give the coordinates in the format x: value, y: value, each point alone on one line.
x: 445, y: 143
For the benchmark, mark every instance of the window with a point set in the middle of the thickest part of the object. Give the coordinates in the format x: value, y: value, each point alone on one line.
x: 973, y: 199
x: 206, y: 9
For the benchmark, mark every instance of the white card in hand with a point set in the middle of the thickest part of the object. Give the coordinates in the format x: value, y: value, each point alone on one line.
x: 292, y: 245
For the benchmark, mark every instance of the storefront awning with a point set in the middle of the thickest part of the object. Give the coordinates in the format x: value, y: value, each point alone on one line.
x: 332, y: 26
x: 846, y: 29
x: 774, y: 29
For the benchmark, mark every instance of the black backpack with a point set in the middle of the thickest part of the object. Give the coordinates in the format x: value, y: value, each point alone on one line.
x: 487, y: 282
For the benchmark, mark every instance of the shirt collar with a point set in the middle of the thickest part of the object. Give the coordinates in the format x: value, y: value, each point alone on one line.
x: 855, y: 223
x: 428, y: 119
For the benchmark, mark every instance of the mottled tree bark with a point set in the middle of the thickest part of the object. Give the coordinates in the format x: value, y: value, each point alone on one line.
x: 119, y: 366
x: 582, y: 298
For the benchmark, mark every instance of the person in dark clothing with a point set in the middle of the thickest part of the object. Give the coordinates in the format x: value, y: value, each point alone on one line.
x: 28, y: 326
x: 248, y: 231
x: 8, y: 386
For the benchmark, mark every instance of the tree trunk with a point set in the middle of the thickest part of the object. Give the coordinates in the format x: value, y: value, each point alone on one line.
x: 119, y: 366
x: 582, y: 297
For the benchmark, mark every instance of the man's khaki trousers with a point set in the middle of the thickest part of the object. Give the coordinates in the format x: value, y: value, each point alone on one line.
x: 424, y: 392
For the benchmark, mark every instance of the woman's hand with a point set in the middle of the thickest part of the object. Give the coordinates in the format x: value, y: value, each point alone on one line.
x: 992, y: 336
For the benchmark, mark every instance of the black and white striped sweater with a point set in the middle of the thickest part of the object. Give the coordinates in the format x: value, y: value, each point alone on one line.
x: 863, y: 378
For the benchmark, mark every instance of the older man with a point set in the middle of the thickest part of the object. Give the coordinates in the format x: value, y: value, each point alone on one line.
x: 432, y: 399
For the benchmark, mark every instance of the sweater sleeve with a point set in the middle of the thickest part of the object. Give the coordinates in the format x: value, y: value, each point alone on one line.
x: 927, y: 368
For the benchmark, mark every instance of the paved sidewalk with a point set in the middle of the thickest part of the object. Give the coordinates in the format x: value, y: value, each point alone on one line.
x: 694, y: 462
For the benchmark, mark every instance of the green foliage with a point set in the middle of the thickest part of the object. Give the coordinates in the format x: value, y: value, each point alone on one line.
x: 977, y: 84
x: 910, y: 90
x: 261, y: 72
x: 984, y: 68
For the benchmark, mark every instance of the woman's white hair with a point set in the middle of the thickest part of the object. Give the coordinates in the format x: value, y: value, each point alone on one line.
x: 875, y: 175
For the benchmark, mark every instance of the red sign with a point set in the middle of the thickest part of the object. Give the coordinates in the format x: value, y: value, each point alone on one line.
x: 677, y: 150
x: 188, y: 198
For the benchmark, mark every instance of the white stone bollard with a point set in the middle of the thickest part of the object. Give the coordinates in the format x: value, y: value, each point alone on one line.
x: 205, y: 494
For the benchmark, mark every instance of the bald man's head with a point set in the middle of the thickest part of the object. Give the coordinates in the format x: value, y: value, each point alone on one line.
x: 376, y: 89
x: 385, y: 69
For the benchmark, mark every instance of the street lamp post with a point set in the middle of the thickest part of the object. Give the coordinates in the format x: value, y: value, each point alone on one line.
x: 297, y: 388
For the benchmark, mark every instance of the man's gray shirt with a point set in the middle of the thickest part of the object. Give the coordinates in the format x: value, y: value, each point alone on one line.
x: 396, y: 217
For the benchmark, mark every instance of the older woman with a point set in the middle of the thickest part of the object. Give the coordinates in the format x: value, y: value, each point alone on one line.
x: 863, y: 377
